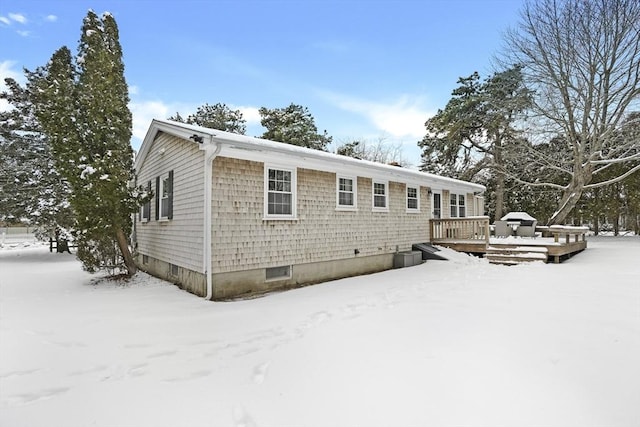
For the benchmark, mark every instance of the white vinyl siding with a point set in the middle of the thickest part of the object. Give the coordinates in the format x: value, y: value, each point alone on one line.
x: 179, y: 241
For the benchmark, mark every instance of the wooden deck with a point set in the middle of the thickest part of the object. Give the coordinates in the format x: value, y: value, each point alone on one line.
x: 472, y: 235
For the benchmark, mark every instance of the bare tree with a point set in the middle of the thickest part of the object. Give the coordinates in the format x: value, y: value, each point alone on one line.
x: 379, y: 150
x: 582, y: 60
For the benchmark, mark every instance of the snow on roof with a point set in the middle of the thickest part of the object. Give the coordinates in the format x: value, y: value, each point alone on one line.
x: 516, y: 216
x: 258, y: 149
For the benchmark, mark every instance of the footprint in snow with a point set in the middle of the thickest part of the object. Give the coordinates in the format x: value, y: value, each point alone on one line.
x: 26, y: 398
x: 242, y: 418
x: 260, y: 372
x: 191, y: 376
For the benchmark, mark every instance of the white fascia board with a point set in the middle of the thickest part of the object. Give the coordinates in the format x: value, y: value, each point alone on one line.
x: 263, y: 150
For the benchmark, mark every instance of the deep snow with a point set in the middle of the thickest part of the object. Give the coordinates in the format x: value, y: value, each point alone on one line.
x: 458, y: 342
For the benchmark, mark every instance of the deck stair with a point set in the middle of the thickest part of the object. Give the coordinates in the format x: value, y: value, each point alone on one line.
x: 513, y: 255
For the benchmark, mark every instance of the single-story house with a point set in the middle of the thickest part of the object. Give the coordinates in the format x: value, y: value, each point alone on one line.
x: 234, y: 215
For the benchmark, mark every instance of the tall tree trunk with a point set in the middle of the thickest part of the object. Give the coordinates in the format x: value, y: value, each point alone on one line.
x: 499, y: 200
x: 126, y: 253
x: 498, y: 160
x: 569, y: 201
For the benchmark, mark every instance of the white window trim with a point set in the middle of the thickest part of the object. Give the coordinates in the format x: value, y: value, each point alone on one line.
x: 353, y: 207
x: 375, y: 208
x: 433, y: 208
x: 417, y: 208
x: 143, y: 219
x: 457, y: 204
x: 294, y: 193
x: 162, y: 217
x: 464, y: 198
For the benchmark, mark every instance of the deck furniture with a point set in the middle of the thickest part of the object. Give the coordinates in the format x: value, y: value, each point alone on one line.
x: 503, y: 229
x: 527, y: 228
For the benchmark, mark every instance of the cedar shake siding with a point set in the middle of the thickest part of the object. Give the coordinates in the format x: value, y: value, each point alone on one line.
x: 347, y: 217
x: 243, y: 239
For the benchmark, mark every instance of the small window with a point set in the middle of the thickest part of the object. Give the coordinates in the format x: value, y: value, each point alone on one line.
x: 457, y: 205
x: 278, y: 273
x: 461, y: 206
x: 145, y: 209
x: 347, y: 193
x: 280, y: 196
x: 173, y: 270
x: 145, y: 259
x: 380, y: 196
x: 164, y: 196
x: 413, y: 202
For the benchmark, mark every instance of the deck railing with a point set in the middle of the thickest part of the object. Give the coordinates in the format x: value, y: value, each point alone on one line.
x: 458, y: 229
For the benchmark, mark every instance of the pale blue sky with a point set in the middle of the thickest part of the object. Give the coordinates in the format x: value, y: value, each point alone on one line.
x: 365, y: 69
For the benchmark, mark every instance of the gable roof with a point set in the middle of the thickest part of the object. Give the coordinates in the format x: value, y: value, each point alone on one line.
x: 262, y: 150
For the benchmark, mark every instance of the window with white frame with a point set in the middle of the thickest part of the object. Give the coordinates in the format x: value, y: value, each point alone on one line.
x: 164, y: 196
x: 145, y: 209
x: 380, y: 196
x: 413, y: 199
x: 280, y: 192
x: 346, y: 197
x: 457, y: 205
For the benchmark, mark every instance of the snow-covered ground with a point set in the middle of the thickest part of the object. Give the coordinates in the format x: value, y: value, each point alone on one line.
x: 457, y: 342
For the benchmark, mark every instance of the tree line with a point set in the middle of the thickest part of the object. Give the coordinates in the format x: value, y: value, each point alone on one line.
x: 554, y: 131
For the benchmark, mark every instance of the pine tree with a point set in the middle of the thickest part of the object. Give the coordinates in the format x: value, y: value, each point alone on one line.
x: 85, y: 113
x: 293, y: 125
x: 476, y: 129
x: 218, y: 116
x: 31, y: 188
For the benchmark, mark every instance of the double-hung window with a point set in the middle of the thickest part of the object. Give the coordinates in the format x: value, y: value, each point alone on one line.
x: 347, y: 195
x: 380, y: 196
x: 413, y: 199
x: 164, y: 196
x: 461, y: 206
x: 457, y: 205
x: 280, y: 192
x: 145, y: 209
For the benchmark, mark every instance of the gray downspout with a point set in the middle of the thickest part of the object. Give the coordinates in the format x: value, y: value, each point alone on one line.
x: 208, y: 239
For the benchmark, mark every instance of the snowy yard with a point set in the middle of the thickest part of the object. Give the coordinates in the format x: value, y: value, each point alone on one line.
x: 457, y: 342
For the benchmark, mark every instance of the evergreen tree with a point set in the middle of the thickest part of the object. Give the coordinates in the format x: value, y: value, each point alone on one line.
x: 293, y: 125
x: 476, y: 129
x: 219, y: 116
x: 84, y: 112
x: 30, y: 187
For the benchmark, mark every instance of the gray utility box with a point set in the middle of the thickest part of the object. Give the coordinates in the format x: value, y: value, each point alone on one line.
x: 407, y: 259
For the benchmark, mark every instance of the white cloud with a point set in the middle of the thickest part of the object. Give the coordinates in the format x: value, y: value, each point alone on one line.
x: 143, y: 112
x: 133, y: 90
x: 250, y: 114
x: 403, y: 117
x: 24, y: 33
x: 7, y: 71
x: 51, y: 18
x: 17, y: 17
x: 5, y: 20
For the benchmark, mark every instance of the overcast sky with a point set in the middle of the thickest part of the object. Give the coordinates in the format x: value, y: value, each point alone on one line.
x: 365, y: 69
